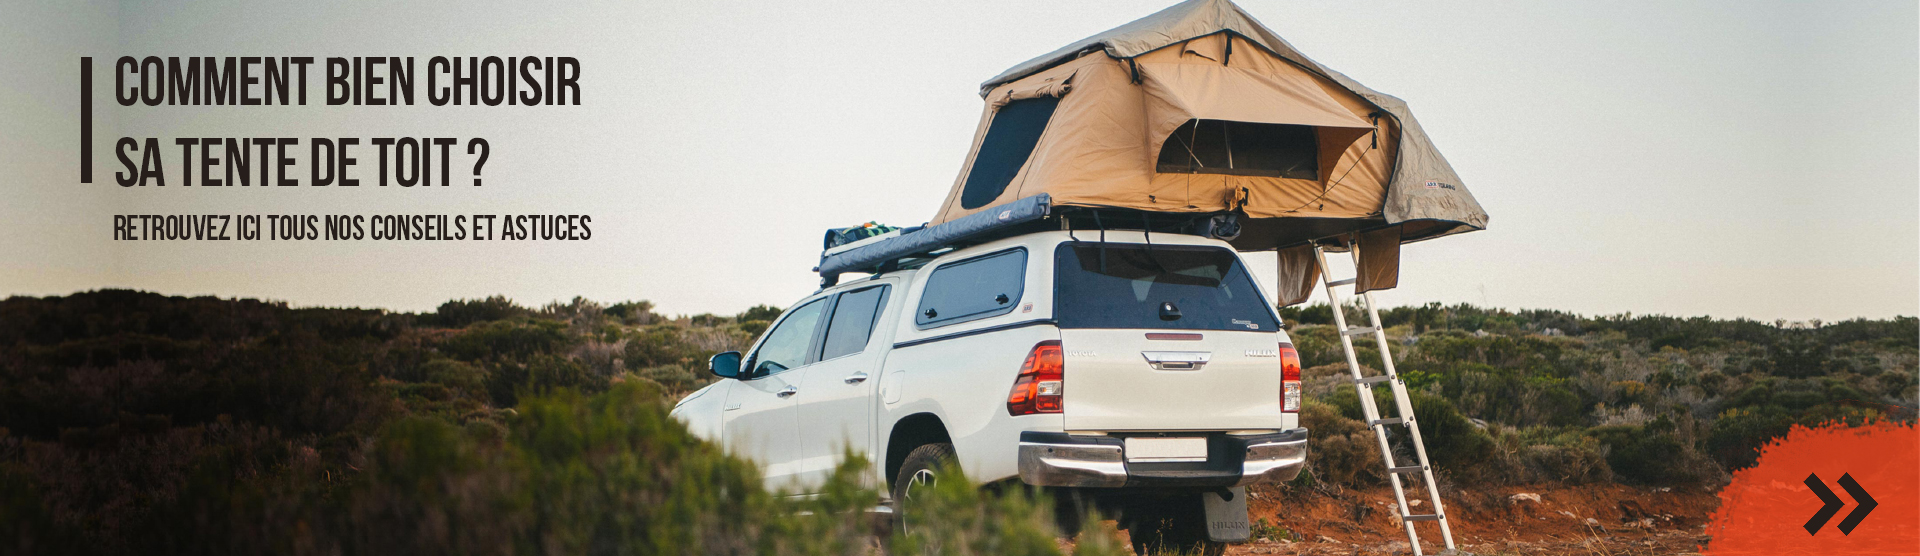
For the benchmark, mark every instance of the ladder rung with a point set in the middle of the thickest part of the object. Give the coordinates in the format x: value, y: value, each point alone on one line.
x: 1407, y: 469
x: 1337, y: 283
x: 1387, y: 421
x: 1425, y: 517
x: 1360, y: 331
x: 1373, y: 379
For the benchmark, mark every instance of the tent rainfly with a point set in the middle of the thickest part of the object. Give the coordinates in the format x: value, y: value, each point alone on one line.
x: 1200, y: 109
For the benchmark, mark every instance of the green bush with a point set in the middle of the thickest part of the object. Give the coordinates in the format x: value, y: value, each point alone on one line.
x: 1341, y: 450
x: 1737, y: 434
x: 1652, y: 455
x: 461, y: 312
x: 509, y: 339
x: 958, y: 518
x: 1548, y: 455
x: 1453, y: 443
x: 760, y: 313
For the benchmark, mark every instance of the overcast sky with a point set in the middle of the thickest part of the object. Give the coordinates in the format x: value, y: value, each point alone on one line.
x: 1756, y: 159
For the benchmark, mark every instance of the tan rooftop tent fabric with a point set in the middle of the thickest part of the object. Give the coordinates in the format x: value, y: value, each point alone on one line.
x: 1122, y: 95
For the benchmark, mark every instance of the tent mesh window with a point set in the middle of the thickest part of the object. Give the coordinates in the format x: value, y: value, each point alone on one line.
x: 1016, y: 128
x: 1241, y: 149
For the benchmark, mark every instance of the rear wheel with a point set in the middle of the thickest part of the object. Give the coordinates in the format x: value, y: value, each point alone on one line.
x: 1171, y: 525
x: 916, y: 477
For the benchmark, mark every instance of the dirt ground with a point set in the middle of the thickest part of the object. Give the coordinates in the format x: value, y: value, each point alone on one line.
x: 1600, y: 519
x: 1591, y: 520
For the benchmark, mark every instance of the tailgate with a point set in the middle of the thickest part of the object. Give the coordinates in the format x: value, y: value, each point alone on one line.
x: 1113, y: 384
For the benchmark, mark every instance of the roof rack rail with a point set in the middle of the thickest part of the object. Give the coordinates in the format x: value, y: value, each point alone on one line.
x: 919, y: 241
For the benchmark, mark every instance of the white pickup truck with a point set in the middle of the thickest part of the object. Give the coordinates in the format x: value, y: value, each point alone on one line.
x: 1145, y: 374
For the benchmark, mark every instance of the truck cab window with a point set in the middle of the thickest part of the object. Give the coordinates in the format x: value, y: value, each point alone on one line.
x: 852, y: 322
x: 786, y: 345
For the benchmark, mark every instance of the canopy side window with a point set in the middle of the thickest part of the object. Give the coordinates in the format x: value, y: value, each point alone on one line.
x: 973, y: 289
x: 1241, y: 149
x: 1016, y: 128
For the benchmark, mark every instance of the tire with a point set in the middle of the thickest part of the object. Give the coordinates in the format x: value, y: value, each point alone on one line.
x: 1171, y: 525
x: 916, y: 472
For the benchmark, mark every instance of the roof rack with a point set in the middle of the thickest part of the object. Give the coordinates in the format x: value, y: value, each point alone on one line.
x: 873, y: 253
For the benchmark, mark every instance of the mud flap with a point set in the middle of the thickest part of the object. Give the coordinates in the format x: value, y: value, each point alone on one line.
x: 1226, y: 519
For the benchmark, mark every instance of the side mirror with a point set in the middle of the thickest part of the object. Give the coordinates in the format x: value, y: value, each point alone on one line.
x: 725, y: 364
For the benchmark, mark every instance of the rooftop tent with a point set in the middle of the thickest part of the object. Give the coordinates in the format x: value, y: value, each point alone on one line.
x: 1200, y: 109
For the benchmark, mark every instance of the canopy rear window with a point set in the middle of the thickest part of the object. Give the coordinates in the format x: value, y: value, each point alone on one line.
x: 1129, y: 285
x: 1241, y: 149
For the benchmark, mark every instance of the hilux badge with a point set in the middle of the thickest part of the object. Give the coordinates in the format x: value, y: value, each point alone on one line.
x: 1263, y: 353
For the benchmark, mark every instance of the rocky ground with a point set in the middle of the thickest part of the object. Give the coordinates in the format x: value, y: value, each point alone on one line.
x: 1589, y: 520
x: 1599, y: 519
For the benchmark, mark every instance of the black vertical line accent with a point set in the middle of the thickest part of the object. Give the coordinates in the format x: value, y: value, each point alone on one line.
x: 1376, y: 130
x: 86, y: 120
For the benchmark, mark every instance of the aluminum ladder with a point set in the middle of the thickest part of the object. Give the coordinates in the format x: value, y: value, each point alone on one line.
x: 1363, y: 385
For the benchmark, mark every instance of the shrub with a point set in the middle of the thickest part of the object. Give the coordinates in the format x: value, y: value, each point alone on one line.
x: 632, y: 312
x: 1651, y: 454
x: 462, y: 312
x: 971, y: 520
x: 1453, y: 443
x: 1737, y: 435
x: 760, y: 313
x: 676, y: 380
x: 1318, y: 313
x: 508, y: 339
x: 1342, y: 451
x: 1566, y: 458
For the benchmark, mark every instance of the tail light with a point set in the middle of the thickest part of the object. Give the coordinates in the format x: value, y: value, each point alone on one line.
x: 1038, y: 388
x: 1289, y: 379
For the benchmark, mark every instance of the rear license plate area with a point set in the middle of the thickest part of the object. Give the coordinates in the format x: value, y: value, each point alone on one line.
x: 1161, y: 449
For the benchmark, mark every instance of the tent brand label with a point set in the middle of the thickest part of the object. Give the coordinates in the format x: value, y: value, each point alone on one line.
x: 1439, y: 185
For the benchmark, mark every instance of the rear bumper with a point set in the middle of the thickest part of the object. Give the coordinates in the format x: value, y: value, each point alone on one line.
x: 1062, y: 460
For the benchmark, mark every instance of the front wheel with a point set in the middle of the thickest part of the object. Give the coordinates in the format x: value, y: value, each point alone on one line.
x: 916, y: 478
x: 1177, y: 525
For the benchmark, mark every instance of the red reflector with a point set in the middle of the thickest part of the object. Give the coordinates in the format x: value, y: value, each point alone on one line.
x: 1289, y: 363
x: 1174, y: 336
x: 1038, y: 388
x: 1289, y: 379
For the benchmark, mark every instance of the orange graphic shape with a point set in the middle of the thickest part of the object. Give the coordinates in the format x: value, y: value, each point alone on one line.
x: 1766, y: 507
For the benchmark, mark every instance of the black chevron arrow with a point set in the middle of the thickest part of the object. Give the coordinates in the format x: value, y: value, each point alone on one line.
x: 1865, y: 504
x: 1826, y: 495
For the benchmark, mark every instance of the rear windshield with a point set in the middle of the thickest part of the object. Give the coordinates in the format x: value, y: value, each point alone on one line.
x: 1165, y: 286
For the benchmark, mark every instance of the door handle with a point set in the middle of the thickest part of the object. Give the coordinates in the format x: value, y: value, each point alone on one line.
x: 789, y: 392
x: 857, y: 378
x: 1177, y: 360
